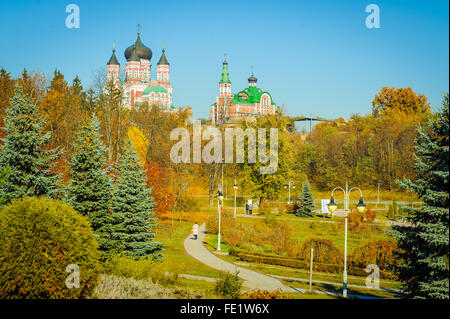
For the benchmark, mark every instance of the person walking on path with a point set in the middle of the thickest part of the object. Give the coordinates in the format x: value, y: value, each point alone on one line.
x: 195, y: 230
x: 246, y: 209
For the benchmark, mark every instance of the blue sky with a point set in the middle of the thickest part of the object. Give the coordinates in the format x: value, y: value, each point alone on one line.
x: 315, y: 57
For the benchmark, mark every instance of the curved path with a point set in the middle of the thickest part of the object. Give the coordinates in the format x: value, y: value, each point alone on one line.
x: 252, y: 279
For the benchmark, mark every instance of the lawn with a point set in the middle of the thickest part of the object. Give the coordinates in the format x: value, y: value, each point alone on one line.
x: 175, y: 258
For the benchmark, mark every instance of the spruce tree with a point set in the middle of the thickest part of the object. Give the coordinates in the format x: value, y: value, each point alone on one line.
x: 26, y: 154
x: 424, y: 272
x: 134, y: 203
x: 90, y: 188
x: 306, y: 207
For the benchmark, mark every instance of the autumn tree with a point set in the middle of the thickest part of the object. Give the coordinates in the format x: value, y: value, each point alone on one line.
x: 6, y: 93
x: 260, y: 185
x: 403, y: 100
x: 113, y: 117
x: 33, y: 84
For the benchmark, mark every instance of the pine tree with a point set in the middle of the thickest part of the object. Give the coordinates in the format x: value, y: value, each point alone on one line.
x: 24, y: 151
x: 90, y: 188
x: 306, y: 207
x: 134, y: 203
x: 424, y: 246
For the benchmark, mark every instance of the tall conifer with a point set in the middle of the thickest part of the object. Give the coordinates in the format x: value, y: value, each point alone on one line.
x: 26, y: 154
x: 90, y: 188
x: 424, y: 272
x: 134, y: 203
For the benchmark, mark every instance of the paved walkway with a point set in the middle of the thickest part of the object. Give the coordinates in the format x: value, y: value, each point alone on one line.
x: 252, y: 279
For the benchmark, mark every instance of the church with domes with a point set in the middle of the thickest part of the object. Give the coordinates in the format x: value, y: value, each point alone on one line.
x: 138, y: 85
x: 250, y: 102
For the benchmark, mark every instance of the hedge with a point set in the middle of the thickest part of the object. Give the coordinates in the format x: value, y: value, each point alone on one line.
x: 302, y: 264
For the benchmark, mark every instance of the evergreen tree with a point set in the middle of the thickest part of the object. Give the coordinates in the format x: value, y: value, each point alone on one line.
x: 424, y: 272
x: 306, y: 206
x: 90, y: 188
x: 134, y: 203
x: 24, y: 151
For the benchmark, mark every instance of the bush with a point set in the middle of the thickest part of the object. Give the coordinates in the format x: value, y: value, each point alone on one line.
x: 228, y: 286
x: 304, y: 264
x: 113, y: 287
x: 355, y: 220
x: 123, y: 266
x: 324, y: 251
x: 227, y: 221
x: 234, y: 236
x: 39, y: 238
x: 143, y: 269
x: 262, y: 294
x: 370, y: 215
x: 378, y: 252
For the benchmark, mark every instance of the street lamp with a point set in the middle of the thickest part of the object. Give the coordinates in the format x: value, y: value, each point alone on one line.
x: 360, y: 207
x: 289, y: 186
x: 235, y: 189
x: 219, y: 202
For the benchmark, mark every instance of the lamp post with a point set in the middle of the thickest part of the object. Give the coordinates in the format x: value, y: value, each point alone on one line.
x: 378, y: 194
x: 235, y: 189
x: 360, y: 207
x: 289, y: 186
x: 219, y: 204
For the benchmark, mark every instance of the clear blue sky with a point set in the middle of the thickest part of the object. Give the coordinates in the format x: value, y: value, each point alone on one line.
x: 316, y: 57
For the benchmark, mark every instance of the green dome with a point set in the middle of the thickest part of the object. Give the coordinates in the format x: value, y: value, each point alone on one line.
x: 154, y: 89
x: 254, y: 96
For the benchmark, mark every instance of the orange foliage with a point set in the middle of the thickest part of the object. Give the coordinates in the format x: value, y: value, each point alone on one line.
x: 157, y: 179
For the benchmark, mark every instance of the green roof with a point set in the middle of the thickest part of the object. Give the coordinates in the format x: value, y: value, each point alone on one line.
x: 254, y: 96
x: 225, y: 75
x: 155, y: 89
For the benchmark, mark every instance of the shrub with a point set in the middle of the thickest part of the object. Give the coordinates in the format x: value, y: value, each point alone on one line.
x: 113, y: 287
x: 370, y: 215
x: 355, y: 220
x: 228, y: 286
x: 234, y: 236
x: 39, y: 238
x: 324, y: 251
x: 124, y: 266
x: 378, y: 252
x: 227, y: 221
x: 262, y: 294
x: 143, y: 269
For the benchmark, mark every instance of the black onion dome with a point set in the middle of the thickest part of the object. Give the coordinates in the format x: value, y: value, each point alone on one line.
x: 134, y: 56
x: 252, y: 79
x: 141, y: 50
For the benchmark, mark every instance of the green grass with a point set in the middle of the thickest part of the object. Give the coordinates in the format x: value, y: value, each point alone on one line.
x: 305, y: 229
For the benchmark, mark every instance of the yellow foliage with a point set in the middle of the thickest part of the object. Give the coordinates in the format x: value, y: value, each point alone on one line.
x: 139, y: 141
